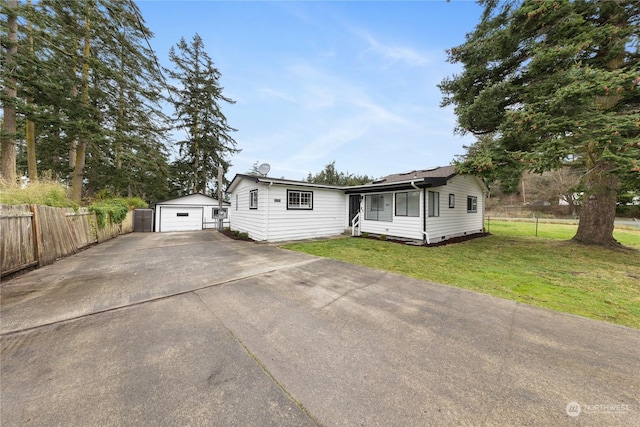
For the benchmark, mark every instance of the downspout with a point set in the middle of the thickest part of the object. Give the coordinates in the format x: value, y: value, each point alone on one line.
x: 424, y: 211
x: 266, y: 218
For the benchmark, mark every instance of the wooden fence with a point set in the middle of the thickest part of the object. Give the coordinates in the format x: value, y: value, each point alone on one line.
x: 35, y: 235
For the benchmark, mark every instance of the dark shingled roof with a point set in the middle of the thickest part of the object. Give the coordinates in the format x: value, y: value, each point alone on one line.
x: 438, y: 172
x: 433, y: 177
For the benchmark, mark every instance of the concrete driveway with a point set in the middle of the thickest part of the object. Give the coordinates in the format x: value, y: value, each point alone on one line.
x: 195, y: 329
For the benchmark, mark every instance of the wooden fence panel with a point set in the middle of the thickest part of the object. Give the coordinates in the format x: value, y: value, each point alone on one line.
x: 17, y: 248
x: 38, y: 235
x: 127, y: 225
x: 83, y: 225
x: 114, y: 230
x: 56, y: 236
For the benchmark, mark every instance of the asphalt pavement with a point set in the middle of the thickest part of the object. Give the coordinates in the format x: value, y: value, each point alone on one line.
x: 196, y: 329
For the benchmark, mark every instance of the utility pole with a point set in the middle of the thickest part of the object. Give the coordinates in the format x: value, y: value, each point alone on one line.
x: 220, y: 211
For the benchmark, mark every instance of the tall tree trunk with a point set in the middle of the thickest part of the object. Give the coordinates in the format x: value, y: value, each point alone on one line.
x: 81, y: 149
x: 8, y: 144
x: 32, y: 168
x: 120, y: 121
x: 598, y: 211
x: 74, y: 95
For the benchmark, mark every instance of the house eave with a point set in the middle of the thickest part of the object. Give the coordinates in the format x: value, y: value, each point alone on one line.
x: 279, y: 181
x: 397, y: 186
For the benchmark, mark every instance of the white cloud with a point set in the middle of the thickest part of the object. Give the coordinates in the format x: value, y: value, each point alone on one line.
x: 393, y: 53
x: 272, y: 93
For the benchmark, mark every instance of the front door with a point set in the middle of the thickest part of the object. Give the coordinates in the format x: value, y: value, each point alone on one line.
x: 354, y: 207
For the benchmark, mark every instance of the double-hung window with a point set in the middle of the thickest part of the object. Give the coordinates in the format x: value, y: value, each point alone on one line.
x: 434, y: 203
x: 472, y: 204
x: 253, y: 199
x: 299, y: 199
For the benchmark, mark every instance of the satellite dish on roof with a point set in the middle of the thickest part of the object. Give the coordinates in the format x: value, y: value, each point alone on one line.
x: 264, y: 169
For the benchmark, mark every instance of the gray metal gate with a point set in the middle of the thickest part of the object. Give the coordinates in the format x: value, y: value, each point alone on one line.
x: 143, y: 220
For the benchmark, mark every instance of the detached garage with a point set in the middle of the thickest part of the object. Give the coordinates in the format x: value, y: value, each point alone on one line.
x: 189, y: 213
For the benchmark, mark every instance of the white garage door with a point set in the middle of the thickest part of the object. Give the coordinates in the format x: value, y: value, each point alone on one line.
x: 174, y: 218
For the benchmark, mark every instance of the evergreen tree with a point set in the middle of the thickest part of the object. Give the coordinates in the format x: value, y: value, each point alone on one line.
x: 197, y: 99
x: 330, y: 175
x: 88, y: 95
x: 9, y: 91
x: 557, y: 83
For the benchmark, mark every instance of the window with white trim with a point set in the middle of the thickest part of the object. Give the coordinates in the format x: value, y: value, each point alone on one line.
x: 216, y: 211
x: 434, y: 203
x: 297, y: 199
x: 472, y: 204
x: 408, y: 203
x: 378, y: 207
x: 253, y: 199
x: 452, y: 201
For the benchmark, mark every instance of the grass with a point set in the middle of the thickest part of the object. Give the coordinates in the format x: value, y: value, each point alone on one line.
x: 627, y: 236
x: 546, y: 271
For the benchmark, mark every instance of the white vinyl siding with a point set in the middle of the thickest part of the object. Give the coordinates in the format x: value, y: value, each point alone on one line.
x: 456, y: 221
x: 452, y: 222
x: 274, y: 222
x: 326, y: 219
x: 245, y: 219
x: 405, y: 226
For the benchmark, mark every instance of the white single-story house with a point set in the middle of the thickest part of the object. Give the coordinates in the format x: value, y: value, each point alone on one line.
x: 427, y: 206
x: 272, y: 209
x: 189, y: 213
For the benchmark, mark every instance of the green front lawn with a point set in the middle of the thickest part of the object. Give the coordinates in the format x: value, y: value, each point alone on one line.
x: 545, y: 271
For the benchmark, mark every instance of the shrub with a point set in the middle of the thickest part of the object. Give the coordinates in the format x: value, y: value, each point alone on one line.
x: 383, y: 237
x: 112, y: 210
x: 136, y: 202
x: 46, y: 191
x: 628, y: 211
x: 236, y: 234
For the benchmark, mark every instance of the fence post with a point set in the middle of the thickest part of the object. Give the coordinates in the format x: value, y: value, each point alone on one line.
x: 37, y: 240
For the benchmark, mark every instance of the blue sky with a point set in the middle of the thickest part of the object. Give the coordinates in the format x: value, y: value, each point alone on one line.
x: 318, y: 81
